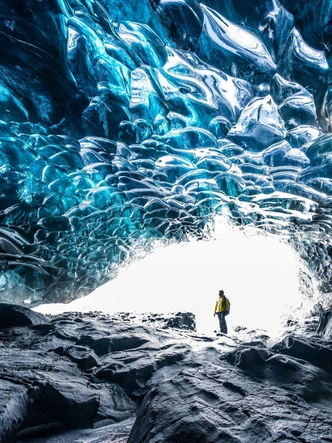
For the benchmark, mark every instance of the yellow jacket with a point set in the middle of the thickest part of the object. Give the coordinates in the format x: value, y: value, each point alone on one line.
x: 220, y: 303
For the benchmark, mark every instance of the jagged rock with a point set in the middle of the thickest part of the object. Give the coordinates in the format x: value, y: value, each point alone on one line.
x: 103, y: 375
x: 182, y: 320
x: 213, y: 404
x: 298, y: 376
x: 48, y: 366
x: 133, y: 373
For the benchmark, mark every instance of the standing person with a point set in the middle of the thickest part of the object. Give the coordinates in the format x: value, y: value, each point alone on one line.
x: 222, y: 309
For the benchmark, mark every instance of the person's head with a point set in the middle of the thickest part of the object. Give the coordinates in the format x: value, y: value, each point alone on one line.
x: 221, y: 293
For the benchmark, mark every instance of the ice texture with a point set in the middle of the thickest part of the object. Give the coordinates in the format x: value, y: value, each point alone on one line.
x: 122, y: 124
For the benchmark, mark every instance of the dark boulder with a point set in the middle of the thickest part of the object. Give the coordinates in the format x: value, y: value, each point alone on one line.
x: 314, y: 351
x: 16, y: 315
x: 84, y: 357
x: 247, y: 358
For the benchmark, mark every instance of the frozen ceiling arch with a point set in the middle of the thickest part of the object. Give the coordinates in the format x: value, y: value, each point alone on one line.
x: 121, y: 125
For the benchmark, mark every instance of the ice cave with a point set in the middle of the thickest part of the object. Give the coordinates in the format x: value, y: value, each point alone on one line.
x: 151, y: 154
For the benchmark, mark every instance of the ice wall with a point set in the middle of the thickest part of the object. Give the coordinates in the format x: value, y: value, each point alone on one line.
x: 123, y: 124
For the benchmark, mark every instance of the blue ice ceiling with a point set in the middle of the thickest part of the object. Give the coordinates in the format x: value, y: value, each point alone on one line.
x: 125, y: 122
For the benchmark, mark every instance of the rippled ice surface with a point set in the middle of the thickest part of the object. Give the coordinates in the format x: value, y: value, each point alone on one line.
x: 124, y: 126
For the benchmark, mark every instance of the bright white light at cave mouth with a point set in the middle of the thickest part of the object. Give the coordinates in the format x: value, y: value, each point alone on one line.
x: 259, y: 274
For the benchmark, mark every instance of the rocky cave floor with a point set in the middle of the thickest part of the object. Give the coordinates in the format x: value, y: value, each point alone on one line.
x: 90, y: 377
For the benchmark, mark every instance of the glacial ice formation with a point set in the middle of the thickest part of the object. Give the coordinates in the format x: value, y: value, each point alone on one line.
x: 120, y: 125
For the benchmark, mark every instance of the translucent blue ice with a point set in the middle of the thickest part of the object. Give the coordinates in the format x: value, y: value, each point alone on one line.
x: 259, y: 125
x: 232, y: 48
x: 122, y: 124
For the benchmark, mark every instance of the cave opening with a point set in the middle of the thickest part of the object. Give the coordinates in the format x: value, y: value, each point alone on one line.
x: 268, y: 284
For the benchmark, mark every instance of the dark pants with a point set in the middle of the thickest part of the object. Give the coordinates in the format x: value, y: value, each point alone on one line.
x: 222, y: 322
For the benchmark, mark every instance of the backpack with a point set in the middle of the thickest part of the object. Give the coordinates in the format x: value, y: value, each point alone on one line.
x: 226, y: 305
